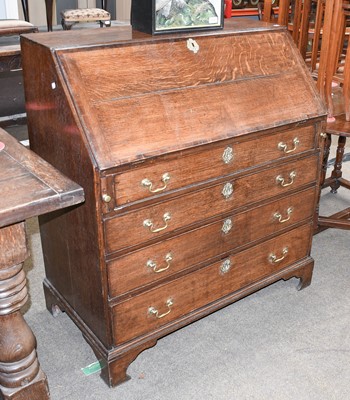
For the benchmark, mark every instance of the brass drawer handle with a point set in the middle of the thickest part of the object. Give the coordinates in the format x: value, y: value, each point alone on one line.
x: 151, y: 264
x: 147, y: 223
x: 153, y: 311
x: 281, y: 181
x: 283, y: 146
x: 149, y: 185
x: 273, y: 258
x: 279, y: 217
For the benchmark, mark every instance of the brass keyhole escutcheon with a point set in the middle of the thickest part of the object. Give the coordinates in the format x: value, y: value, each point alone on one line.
x: 193, y: 46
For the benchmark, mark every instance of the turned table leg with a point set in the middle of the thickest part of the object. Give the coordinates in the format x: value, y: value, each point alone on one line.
x: 21, y: 377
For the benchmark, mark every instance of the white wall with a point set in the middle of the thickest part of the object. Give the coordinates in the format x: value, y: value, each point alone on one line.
x: 123, y: 10
x: 2, y: 9
x: 8, y: 9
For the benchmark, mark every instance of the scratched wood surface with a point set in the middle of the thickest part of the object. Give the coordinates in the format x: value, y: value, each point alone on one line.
x: 29, y: 186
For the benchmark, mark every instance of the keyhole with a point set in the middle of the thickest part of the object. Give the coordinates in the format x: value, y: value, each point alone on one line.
x: 192, y: 45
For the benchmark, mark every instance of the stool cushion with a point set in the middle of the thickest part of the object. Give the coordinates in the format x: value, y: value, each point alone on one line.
x: 85, y: 14
x: 14, y: 23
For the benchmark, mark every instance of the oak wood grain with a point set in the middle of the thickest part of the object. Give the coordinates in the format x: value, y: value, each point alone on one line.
x: 131, y: 317
x: 128, y: 230
x: 210, y: 241
x: 112, y: 107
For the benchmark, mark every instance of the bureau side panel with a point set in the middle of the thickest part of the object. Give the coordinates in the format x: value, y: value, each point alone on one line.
x: 70, y: 238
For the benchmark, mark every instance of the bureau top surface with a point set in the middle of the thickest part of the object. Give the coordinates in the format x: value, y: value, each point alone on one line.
x: 29, y: 186
x: 136, y: 96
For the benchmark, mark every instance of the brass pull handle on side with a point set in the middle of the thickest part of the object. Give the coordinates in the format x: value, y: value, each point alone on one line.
x: 283, y: 146
x: 153, y: 265
x: 149, y: 185
x: 280, y: 180
x: 147, y: 223
x: 278, y: 215
x: 273, y: 258
x: 154, y: 312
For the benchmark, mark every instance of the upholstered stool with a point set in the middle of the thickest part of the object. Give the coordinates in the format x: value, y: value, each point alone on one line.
x: 15, y: 27
x: 71, y: 17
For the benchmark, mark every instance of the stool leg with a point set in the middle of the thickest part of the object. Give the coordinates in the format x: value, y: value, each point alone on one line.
x: 107, y: 24
x: 67, y: 25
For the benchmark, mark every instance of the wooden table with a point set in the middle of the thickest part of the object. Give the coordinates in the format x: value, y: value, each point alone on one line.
x: 29, y: 186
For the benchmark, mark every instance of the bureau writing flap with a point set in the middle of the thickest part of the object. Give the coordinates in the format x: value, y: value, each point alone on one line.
x: 138, y: 98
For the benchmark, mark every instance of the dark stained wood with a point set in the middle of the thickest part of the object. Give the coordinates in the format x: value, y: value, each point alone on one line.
x: 206, y: 204
x: 29, y: 186
x: 133, y: 270
x: 10, y: 58
x: 107, y: 107
x: 204, y: 286
x: 206, y: 120
x: 193, y: 168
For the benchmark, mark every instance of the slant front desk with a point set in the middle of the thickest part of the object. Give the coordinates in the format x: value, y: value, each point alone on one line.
x: 199, y: 157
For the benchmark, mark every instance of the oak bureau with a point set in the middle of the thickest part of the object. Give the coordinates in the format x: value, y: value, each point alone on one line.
x: 199, y: 155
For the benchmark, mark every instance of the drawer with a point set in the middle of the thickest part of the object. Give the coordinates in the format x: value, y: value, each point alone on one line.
x: 151, y: 222
x: 160, y: 306
x: 234, y: 156
x: 164, y: 259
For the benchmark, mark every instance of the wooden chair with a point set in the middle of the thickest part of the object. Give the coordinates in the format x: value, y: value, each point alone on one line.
x: 337, y: 97
x: 73, y: 16
x: 317, y: 34
x: 265, y: 11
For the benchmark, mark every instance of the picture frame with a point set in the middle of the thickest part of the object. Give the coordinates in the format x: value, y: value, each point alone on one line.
x: 165, y: 16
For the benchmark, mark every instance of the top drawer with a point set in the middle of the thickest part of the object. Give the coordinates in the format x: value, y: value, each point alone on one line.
x: 233, y: 156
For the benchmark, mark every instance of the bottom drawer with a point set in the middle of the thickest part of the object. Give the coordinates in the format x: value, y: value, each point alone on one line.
x: 159, y: 306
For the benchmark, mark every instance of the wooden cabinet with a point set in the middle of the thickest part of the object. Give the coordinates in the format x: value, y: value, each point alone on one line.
x: 199, y: 157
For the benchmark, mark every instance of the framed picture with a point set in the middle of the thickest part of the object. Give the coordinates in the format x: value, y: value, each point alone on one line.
x: 162, y: 16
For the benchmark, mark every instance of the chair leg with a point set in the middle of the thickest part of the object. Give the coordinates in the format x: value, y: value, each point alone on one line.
x: 337, y: 171
x: 326, y: 150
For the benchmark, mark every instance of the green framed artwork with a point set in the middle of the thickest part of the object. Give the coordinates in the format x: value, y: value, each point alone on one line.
x: 161, y: 16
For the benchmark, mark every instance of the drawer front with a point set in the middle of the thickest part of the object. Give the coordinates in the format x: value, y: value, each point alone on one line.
x: 183, y: 251
x: 153, y: 221
x: 151, y: 310
x: 232, y: 157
